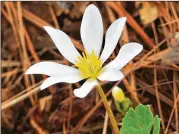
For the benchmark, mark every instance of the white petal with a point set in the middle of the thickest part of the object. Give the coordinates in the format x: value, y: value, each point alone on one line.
x: 85, y: 88
x: 51, y: 69
x: 111, y: 75
x: 112, y: 36
x: 57, y: 79
x: 92, y: 29
x: 126, y: 53
x: 63, y: 43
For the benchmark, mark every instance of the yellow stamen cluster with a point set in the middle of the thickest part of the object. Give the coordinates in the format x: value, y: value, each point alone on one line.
x: 89, y: 65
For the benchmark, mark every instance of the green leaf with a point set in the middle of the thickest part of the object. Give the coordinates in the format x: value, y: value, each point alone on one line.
x: 156, y: 125
x: 139, y: 121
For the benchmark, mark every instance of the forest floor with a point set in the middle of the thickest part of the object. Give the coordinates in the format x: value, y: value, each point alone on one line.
x: 153, y: 76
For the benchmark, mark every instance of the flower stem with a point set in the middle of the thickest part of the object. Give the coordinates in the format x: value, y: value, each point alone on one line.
x: 108, y: 109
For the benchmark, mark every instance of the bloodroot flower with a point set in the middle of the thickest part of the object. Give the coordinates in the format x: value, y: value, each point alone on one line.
x: 89, y: 65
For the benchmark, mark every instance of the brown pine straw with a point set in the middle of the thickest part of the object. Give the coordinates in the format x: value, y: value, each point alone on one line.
x: 130, y: 86
x: 122, y: 12
x: 16, y: 24
x: 37, y: 127
x: 53, y: 17
x: 155, y: 79
x: 106, y: 121
x: 171, y: 115
x: 29, y: 42
x: 21, y: 96
x: 37, y: 21
x: 151, y: 90
x: 146, y: 61
x: 168, y: 23
x: 175, y: 92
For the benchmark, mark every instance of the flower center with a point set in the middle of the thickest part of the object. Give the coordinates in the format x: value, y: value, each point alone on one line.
x: 89, y: 65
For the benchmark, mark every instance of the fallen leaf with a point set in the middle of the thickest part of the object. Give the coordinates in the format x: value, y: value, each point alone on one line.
x: 148, y: 12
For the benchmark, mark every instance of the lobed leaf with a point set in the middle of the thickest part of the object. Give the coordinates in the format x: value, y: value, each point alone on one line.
x: 140, y: 121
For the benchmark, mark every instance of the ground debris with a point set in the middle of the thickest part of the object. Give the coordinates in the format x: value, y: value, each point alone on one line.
x: 152, y: 75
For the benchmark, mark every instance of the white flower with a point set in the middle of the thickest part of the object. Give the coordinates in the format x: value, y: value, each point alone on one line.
x: 89, y: 65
